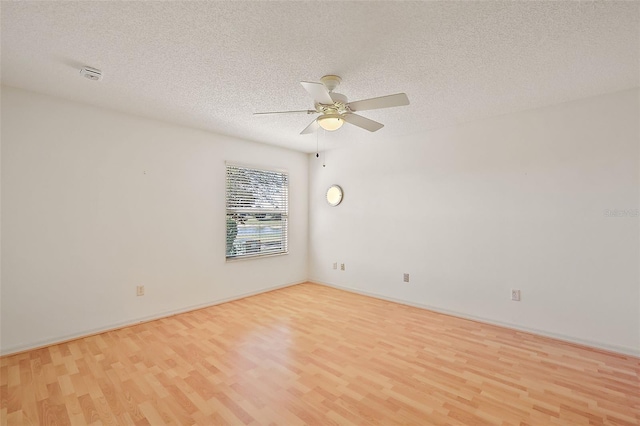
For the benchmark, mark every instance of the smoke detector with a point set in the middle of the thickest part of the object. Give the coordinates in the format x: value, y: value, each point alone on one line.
x: 91, y: 73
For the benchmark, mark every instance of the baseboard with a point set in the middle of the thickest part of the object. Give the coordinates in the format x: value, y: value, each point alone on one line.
x: 91, y: 332
x: 568, y: 339
x: 14, y: 350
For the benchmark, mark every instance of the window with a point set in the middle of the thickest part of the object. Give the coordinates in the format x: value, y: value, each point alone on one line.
x: 257, y: 212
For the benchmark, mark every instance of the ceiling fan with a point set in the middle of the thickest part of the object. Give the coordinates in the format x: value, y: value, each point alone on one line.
x: 334, y: 109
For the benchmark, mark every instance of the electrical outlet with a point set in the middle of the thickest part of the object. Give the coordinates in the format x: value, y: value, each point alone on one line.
x: 335, y: 265
x: 515, y: 295
x: 342, y: 266
x: 140, y: 290
x: 406, y: 278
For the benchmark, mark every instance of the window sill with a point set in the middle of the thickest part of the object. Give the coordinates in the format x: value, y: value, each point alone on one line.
x: 258, y: 256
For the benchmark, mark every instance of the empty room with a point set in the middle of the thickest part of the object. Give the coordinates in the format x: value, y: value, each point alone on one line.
x: 320, y: 213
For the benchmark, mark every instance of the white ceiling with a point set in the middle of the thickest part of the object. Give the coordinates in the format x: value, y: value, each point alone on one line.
x: 210, y: 65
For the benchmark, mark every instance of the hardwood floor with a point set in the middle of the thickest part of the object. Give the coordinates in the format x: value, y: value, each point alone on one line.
x: 310, y: 354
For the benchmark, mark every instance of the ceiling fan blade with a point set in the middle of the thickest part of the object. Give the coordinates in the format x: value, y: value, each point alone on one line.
x: 360, y: 121
x: 318, y: 92
x: 399, y: 99
x: 306, y: 111
x: 311, y: 128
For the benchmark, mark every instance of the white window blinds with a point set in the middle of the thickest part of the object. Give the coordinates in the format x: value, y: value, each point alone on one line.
x: 257, y: 212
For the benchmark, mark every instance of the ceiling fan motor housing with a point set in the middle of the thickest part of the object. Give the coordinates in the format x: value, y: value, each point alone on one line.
x: 339, y: 105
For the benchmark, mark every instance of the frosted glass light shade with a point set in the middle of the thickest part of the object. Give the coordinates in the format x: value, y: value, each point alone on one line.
x: 330, y: 122
x: 334, y: 195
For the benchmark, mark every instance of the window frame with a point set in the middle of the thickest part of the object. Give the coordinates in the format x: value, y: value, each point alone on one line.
x: 284, y: 215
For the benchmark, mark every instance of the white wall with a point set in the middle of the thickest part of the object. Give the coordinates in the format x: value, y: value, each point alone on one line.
x: 516, y: 201
x: 95, y: 202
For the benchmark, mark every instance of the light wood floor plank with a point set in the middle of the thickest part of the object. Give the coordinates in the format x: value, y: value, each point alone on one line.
x: 314, y: 355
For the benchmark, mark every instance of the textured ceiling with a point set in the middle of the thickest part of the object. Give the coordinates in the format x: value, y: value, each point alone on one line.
x: 210, y: 65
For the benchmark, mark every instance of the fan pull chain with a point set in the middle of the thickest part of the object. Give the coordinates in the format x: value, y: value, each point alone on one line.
x: 324, y: 153
x: 317, y: 144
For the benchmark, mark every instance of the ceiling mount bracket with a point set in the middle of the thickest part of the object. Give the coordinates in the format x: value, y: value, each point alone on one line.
x: 331, y: 82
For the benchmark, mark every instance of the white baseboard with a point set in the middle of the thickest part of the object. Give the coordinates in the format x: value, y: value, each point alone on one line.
x: 90, y: 332
x: 596, y: 345
x: 12, y: 350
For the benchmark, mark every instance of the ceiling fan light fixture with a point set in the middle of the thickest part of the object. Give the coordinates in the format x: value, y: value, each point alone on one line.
x: 330, y: 122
